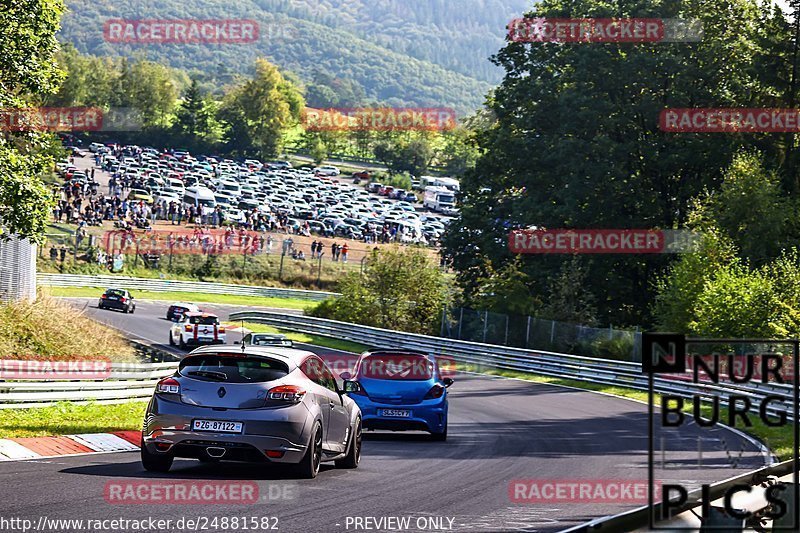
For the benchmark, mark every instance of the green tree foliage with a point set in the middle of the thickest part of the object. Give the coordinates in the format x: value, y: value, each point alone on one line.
x: 505, y: 291
x: 424, y: 53
x: 401, y: 288
x: 28, y: 72
x: 750, y: 208
x: 260, y: 110
x: 730, y: 285
x: 401, y: 154
x: 575, y: 140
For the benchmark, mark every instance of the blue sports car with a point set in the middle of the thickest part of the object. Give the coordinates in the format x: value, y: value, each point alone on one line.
x: 400, y: 390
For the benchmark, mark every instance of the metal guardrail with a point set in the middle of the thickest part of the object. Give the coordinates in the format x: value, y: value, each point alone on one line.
x: 587, y: 369
x: 124, y: 382
x: 683, y: 519
x: 162, y: 285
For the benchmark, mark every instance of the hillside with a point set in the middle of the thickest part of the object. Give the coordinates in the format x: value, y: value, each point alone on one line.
x: 425, y: 53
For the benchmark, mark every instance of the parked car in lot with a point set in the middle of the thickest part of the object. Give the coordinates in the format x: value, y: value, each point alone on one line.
x: 140, y: 194
x: 327, y: 170
x: 178, y: 309
x: 374, y: 187
x: 400, y: 390
x: 119, y: 299
x: 255, y: 404
x: 386, y: 190
x: 195, y: 328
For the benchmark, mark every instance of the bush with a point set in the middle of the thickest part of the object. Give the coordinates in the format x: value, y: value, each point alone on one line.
x: 401, y: 288
x: 48, y: 329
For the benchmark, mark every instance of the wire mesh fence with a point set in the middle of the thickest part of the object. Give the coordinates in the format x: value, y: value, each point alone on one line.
x: 540, y: 334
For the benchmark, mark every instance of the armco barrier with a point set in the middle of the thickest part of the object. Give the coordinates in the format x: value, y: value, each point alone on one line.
x: 126, y: 382
x: 163, y: 285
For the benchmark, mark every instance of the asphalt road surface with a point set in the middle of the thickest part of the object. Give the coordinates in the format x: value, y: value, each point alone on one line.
x: 500, y: 430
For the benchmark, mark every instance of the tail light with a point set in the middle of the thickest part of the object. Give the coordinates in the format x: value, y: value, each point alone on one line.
x: 187, y: 327
x: 122, y: 300
x: 104, y: 297
x: 287, y: 393
x: 221, y: 330
x: 168, y: 386
x: 436, y: 392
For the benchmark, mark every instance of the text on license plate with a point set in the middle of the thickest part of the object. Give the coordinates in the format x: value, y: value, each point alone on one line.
x: 217, y: 425
x: 399, y: 413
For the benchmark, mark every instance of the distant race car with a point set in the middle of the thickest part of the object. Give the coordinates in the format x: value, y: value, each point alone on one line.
x: 258, y: 404
x: 117, y: 299
x: 179, y: 308
x: 265, y: 339
x: 400, y: 390
x: 192, y: 328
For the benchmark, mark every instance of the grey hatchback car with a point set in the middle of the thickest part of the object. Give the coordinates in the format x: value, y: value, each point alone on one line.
x: 252, y: 403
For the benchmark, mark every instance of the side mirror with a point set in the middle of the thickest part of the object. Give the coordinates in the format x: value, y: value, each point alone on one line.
x: 448, y: 381
x: 345, y: 376
x: 352, y: 386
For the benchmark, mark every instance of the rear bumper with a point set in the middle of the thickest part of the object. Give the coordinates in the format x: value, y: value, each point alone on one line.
x: 203, y: 341
x: 167, y: 429
x: 113, y: 304
x: 429, y: 415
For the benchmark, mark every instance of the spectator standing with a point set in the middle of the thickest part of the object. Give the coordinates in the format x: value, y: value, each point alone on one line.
x: 345, y: 249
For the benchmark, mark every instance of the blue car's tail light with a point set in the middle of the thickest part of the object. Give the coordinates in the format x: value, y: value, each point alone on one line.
x: 436, y: 392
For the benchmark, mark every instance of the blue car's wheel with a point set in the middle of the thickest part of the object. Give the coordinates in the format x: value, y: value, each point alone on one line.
x: 440, y: 436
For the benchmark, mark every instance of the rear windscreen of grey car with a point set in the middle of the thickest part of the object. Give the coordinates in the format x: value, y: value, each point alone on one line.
x: 232, y: 369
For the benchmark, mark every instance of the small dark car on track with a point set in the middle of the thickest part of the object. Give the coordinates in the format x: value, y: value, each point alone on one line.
x: 119, y: 299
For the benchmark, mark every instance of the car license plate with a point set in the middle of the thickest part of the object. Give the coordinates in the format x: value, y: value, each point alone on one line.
x: 221, y: 426
x: 396, y: 413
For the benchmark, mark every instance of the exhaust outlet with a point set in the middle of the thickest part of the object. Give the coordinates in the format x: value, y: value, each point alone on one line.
x: 215, y: 452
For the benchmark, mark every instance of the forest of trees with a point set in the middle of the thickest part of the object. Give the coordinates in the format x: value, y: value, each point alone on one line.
x: 425, y: 53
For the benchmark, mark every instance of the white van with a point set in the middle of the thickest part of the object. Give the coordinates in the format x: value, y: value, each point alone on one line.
x: 200, y: 197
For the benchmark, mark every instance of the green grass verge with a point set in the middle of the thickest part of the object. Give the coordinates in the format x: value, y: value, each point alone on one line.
x: 230, y: 299
x: 67, y: 418
x: 777, y: 439
x: 319, y: 340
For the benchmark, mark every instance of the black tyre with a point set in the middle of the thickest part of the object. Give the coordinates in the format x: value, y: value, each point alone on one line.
x: 353, y: 450
x: 181, y: 343
x: 132, y: 309
x: 171, y: 342
x: 156, y: 463
x: 308, y: 467
x: 440, y: 436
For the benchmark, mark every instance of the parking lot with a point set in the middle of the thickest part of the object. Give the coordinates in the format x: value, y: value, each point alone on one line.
x: 179, y: 188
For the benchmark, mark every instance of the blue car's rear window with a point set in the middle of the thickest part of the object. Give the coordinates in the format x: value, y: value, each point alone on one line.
x: 396, y: 367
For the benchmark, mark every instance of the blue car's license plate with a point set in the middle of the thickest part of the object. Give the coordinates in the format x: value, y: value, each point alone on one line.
x: 395, y: 413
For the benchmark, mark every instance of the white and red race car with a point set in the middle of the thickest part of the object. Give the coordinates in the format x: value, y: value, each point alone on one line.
x: 192, y: 329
